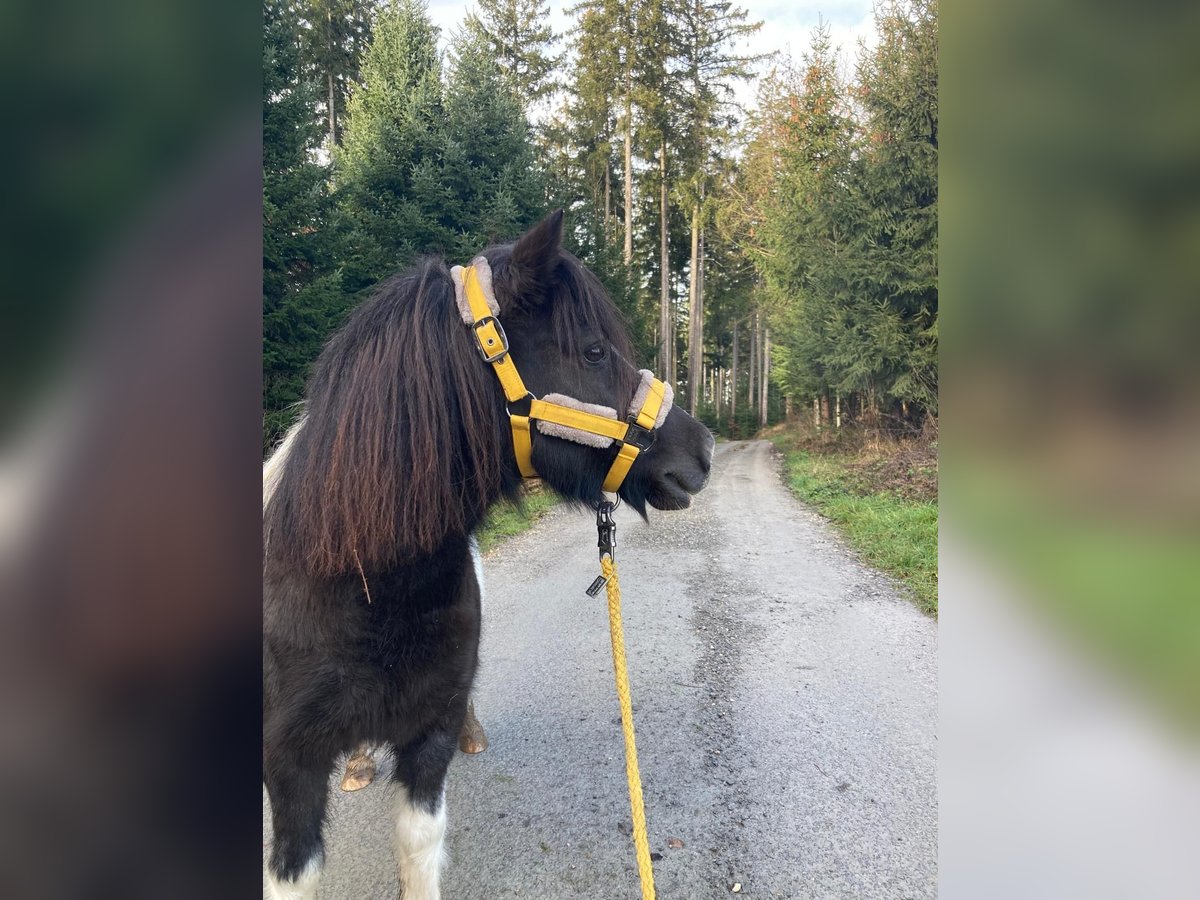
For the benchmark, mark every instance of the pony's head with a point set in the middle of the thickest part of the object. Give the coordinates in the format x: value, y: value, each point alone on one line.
x: 567, y: 338
x: 405, y: 441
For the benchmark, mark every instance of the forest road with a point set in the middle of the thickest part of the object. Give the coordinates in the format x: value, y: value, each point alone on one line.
x: 784, y: 697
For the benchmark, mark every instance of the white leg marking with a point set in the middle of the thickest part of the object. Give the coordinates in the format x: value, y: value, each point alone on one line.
x: 420, y: 850
x: 303, y: 888
x: 477, y: 562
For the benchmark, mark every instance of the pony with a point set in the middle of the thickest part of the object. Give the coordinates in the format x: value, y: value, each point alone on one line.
x: 371, y: 580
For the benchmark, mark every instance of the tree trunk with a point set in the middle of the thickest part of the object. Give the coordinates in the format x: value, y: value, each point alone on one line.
x: 752, y: 385
x: 664, y: 277
x: 764, y: 376
x: 733, y: 376
x: 837, y: 411
x: 329, y: 82
x: 694, y: 352
x: 700, y: 309
x: 628, y: 169
x: 332, y: 113
x: 607, y: 198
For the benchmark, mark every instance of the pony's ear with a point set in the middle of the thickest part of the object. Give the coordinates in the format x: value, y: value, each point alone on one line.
x: 536, y: 250
x: 526, y: 278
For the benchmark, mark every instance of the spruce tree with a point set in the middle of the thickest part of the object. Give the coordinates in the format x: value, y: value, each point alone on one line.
x: 336, y: 35
x: 390, y: 196
x: 428, y: 168
x: 488, y: 162
x: 899, y: 180
x: 517, y: 36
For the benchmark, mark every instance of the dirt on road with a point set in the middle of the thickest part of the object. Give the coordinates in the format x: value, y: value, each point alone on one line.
x: 785, y: 702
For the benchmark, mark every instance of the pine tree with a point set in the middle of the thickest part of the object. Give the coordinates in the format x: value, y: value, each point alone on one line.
x: 428, y: 168
x: 900, y: 183
x: 517, y: 36
x: 488, y: 163
x: 657, y: 96
x: 336, y: 35
x: 387, y: 173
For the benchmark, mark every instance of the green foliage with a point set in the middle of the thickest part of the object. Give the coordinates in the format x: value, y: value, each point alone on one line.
x: 302, y: 296
x: 428, y: 168
x: 335, y: 36
x: 849, y: 223
x: 516, y: 36
x: 817, y: 223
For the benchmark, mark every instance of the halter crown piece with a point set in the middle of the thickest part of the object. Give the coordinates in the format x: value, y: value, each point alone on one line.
x: 556, y: 415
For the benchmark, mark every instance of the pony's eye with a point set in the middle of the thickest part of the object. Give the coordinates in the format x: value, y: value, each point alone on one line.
x: 595, y: 353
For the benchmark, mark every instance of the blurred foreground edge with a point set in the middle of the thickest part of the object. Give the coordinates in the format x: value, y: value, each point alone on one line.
x: 130, y: 557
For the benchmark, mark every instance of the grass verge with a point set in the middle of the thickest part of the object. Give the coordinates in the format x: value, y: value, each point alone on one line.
x: 505, y: 520
x: 888, y: 513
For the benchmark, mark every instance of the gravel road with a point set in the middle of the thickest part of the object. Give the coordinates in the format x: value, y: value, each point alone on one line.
x: 785, y: 702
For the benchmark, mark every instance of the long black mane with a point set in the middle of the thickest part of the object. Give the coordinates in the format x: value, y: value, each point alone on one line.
x: 405, y: 441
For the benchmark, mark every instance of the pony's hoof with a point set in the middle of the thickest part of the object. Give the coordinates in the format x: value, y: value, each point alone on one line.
x: 360, y: 771
x: 472, y: 743
x: 472, y: 738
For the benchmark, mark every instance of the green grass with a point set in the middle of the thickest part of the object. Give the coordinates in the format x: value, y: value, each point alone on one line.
x: 506, y: 520
x: 896, y: 535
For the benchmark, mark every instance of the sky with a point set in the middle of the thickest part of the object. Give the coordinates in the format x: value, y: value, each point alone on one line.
x: 787, y: 26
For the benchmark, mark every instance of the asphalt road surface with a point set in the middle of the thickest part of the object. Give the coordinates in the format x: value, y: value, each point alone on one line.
x: 784, y: 697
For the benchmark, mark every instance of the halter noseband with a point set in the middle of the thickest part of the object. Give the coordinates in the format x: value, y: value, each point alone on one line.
x: 556, y: 415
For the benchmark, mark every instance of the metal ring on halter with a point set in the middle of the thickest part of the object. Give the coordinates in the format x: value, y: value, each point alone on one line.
x: 615, y: 503
x: 528, y: 396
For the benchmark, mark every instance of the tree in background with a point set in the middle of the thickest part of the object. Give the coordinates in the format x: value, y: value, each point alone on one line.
x: 795, y: 247
x: 898, y: 89
x: 709, y: 67
x: 427, y: 168
x: 850, y: 228
x: 517, y: 36
x: 808, y: 227
x: 488, y: 162
x: 301, y: 289
x: 335, y: 36
x: 389, y: 190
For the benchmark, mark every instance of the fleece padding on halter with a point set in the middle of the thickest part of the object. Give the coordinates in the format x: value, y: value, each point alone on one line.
x: 591, y: 439
x: 555, y: 414
x: 484, y: 272
x: 566, y: 432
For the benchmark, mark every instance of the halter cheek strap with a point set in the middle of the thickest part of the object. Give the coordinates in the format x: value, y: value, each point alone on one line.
x: 556, y: 415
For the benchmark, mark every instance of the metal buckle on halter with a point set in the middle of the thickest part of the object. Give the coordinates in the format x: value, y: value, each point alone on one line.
x: 642, y: 438
x: 479, y: 344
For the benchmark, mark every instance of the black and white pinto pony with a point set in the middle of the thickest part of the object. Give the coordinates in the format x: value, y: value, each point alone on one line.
x: 371, y: 581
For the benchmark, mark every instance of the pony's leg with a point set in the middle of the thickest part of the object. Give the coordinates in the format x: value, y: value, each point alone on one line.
x: 421, y: 814
x: 298, y: 799
x: 360, y: 768
x: 472, y: 738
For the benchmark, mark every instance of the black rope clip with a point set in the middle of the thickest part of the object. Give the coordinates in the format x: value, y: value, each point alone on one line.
x: 606, y: 530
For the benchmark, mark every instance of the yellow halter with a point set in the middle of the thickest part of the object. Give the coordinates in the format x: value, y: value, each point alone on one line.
x: 634, y: 436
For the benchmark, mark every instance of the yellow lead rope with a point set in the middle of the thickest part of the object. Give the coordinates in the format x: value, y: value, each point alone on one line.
x: 640, y: 840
